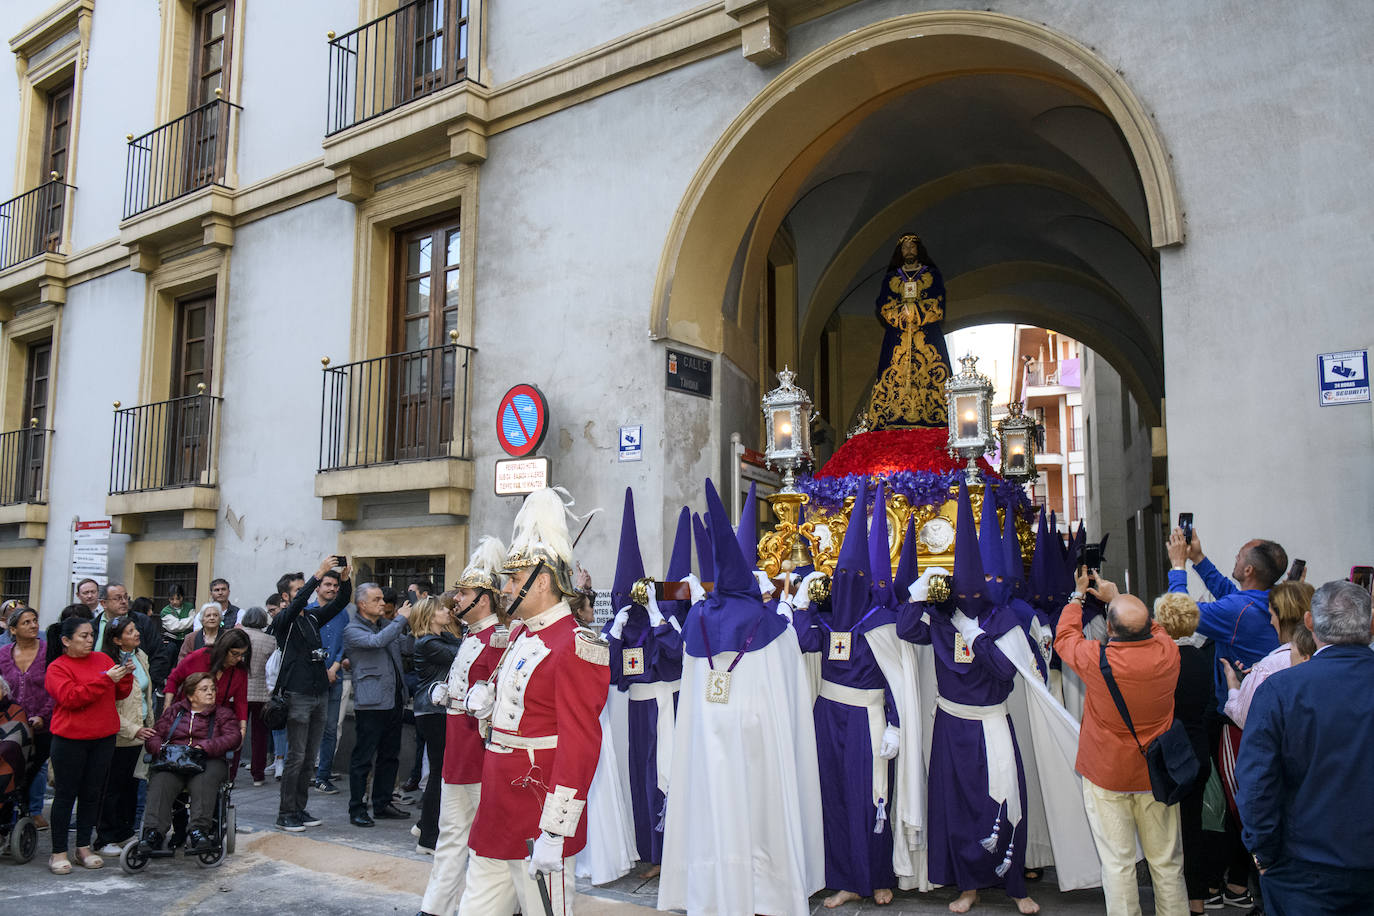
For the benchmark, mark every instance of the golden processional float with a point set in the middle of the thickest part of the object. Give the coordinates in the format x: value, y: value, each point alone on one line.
x: 915, y: 469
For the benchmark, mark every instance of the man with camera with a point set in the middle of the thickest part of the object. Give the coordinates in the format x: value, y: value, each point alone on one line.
x: 1144, y: 663
x: 372, y: 646
x: 305, y: 683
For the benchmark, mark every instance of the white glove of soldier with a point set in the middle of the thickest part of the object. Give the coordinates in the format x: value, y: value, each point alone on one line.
x: 655, y: 615
x: 618, y: 625
x: 481, y: 700
x: 765, y: 584
x: 438, y: 694
x: 547, y: 855
x: 693, y: 583
x: 892, y: 736
x: 802, y: 599
x: 920, y: 589
x: 967, y: 626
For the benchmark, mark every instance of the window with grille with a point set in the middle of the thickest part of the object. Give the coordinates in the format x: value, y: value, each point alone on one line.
x: 399, y: 572
x: 165, y: 575
x: 16, y: 584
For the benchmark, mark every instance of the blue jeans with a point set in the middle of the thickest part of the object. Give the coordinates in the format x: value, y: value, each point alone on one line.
x: 331, y: 731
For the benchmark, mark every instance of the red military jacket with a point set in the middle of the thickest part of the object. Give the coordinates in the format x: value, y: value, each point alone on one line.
x: 545, y: 737
x: 475, y: 661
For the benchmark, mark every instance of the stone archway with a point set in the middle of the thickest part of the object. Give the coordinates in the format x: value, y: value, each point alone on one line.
x: 767, y: 160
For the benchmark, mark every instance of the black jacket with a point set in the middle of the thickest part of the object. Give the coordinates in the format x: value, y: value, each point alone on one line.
x: 434, y: 655
x: 298, y: 634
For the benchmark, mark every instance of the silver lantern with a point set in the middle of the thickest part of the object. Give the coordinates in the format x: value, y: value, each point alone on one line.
x: 787, y: 415
x: 1017, y: 438
x: 969, y: 395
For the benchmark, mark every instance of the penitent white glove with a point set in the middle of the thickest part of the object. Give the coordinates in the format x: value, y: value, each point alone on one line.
x: 618, y: 625
x: 967, y: 626
x: 547, y: 855
x: 920, y: 589
x: 481, y: 700
x: 802, y: 599
x: 765, y: 584
x: 693, y: 583
x: 892, y: 736
x: 655, y: 615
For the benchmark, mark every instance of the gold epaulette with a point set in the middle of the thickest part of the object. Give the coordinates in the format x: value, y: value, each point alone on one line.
x: 591, y: 647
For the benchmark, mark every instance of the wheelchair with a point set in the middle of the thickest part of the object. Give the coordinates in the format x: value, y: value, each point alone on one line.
x: 18, y: 834
x: 135, y: 857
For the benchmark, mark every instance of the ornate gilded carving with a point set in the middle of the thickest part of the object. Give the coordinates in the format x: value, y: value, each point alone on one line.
x: 780, y: 550
x: 910, y: 390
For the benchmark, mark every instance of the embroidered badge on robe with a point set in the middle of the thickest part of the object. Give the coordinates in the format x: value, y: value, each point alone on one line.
x: 840, y: 646
x: 632, y: 661
x: 718, y: 686
x: 963, y: 652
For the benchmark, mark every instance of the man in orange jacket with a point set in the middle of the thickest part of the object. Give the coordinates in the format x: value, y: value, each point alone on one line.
x: 1116, y: 782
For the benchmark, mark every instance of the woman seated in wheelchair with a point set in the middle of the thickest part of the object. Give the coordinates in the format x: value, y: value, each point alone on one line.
x: 188, y: 749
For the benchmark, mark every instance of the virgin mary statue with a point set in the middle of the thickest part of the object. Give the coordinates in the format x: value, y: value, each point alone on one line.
x: 910, y: 387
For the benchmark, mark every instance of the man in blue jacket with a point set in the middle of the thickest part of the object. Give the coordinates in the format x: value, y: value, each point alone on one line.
x: 1238, y: 620
x: 1305, y: 793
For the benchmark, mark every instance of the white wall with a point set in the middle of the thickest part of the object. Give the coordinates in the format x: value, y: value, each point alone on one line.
x: 572, y: 224
x: 285, y: 82
x: 281, y: 320
x: 97, y: 364
x: 526, y: 35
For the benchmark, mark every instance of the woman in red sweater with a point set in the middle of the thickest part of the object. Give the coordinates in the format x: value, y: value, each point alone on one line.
x: 227, y: 661
x: 85, y: 686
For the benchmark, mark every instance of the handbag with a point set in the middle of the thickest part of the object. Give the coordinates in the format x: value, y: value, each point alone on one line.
x: 276, y: 710
x: 181, y: 759
x: 1172, y: 765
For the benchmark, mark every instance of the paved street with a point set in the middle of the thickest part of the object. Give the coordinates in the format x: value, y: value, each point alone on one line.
x: 340, y: 869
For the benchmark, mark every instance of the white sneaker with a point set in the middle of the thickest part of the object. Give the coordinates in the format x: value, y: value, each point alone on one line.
x: 110, y: 849
x: 415, y: 830
x: 423, y: 850
x: 278, y: 767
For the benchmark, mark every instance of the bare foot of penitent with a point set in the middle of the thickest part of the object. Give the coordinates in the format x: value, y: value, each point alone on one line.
x: 1026, y: 905
x: 964, y: 903
x: 840, y: 899
x: 651, y: 872
x: 882, y: 896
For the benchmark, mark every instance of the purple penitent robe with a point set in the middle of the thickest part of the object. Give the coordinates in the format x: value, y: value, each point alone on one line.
x: 858, y: 858
x: 662, y: 663
x: 962, y: 815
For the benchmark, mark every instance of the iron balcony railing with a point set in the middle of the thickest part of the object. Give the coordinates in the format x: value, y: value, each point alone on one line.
x: 413, y: 52
x: 23, y: 466
x: 165, y: 445
x: 179, y: 157
x: 403, y: 407
x: 31, y: 223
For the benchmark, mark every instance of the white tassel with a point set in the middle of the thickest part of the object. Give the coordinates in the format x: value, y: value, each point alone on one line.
x: 1006, y: 861
x: 990, y: 842
x: 662, y: 816
x: 882, y: 816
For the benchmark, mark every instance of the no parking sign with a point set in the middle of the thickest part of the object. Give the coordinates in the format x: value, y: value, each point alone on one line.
x: 521, y: 420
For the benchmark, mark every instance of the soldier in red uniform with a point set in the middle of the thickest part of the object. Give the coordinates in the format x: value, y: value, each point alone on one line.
x: 480, y: 608
x: 543, y: 708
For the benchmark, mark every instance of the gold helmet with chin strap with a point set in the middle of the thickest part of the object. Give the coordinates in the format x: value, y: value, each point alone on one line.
x: 541, y: 536
x: 484, y: 566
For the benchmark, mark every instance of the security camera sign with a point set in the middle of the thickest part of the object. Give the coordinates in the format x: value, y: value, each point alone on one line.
x: 1343, y: 378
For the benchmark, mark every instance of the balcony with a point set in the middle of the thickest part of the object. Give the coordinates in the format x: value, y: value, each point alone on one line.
x: 387, y: 98
x: 177, y: 181
x: 24, y: 461
x: 31, y: 259
x: 396, y: 423
x: 163, y: 459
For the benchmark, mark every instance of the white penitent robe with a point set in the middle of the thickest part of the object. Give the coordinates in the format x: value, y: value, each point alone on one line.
x: 610, y: 851
x: 1049, y: 751
x: 743, y: 831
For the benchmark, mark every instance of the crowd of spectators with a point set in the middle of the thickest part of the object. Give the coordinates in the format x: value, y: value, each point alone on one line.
x: 1273, y: 683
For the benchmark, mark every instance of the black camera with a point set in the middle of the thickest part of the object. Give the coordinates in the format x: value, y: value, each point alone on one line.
x: 319, y: 655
